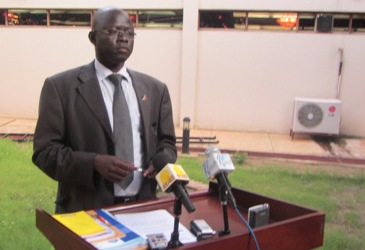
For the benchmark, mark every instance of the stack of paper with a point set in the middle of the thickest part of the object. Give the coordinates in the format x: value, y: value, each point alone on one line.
x: 156, y: 221
x: 102, y: 230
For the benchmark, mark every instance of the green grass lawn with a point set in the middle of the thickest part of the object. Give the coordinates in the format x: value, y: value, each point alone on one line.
x: 339, y: 191
x: 23, y: 187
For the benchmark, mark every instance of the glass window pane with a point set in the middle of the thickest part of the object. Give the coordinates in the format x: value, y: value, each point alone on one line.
x: 27, y: 17
x: 217, y: 19
x: 160, y: 19
x: 307, y: 21
x: 133, y: 16
x: 272, y: 21
x: 239, y: 20
x: 2, y: 17
x: 341, y: 22
x: 324, y: 22
x: 70, y: 18
x: 358, y: 23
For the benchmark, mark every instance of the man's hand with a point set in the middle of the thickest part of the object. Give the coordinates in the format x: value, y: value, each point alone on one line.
x: 112, y: 168
x: 150, y: 172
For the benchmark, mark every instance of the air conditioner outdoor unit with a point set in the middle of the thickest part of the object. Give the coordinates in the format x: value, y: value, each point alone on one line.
x: 316, y: 116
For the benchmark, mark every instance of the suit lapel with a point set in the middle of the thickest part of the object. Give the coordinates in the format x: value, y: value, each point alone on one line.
x: 91, y: 93
x: 144, y: 99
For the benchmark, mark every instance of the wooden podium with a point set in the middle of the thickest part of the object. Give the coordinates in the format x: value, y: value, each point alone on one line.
x: 290, y: 227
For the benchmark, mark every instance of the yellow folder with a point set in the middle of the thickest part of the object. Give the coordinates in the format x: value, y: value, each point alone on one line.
x: 80, y: 223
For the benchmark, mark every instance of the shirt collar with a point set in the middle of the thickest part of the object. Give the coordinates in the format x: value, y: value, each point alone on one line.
x: 103, y: 72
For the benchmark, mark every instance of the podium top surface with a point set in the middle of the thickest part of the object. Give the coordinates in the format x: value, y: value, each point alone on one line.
x: 290, y: 226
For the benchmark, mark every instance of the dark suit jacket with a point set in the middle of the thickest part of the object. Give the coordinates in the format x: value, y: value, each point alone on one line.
x: 73, y: 127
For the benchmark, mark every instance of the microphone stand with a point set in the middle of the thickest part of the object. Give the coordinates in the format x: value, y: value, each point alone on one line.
x: 223, y: 196
x: 174, y: 241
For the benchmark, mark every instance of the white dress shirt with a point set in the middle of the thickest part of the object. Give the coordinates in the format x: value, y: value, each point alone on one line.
x: 107, y: 89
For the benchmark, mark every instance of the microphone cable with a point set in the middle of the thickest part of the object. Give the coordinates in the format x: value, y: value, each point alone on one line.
x: 248, y: 226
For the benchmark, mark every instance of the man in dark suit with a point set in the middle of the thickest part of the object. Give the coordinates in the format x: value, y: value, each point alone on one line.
x: 74, y: 142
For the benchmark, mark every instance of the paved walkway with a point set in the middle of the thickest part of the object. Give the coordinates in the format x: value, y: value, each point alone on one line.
x: 301, y: 147
x: 342, y: 150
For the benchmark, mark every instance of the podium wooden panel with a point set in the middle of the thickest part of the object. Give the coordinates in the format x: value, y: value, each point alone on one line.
x: 291, y: 226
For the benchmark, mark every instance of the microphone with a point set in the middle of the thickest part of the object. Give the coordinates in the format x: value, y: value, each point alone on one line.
x: 218, y: 166
x: 173, y: 178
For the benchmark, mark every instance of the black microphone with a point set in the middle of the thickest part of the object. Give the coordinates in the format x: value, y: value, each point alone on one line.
x: 218, y: 166
x: 173, y: 178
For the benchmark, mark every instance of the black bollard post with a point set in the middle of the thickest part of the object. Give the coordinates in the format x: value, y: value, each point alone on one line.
x: 186, y: 135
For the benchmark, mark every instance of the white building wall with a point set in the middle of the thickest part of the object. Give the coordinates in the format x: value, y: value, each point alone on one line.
x: 234, y: 80
x: 28, y: 56
x: 32, y: 54
x: 249, y: 80
x: 158, y: 53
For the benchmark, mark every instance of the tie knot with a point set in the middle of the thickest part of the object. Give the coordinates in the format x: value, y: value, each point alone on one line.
x: 115, y: 78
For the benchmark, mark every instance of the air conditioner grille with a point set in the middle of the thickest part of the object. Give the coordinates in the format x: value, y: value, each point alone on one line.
x: 310, y: 115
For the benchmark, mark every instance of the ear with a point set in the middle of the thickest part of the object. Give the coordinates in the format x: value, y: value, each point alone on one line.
x: 92, y: 35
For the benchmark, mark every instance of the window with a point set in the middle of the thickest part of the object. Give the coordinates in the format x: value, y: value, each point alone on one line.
x: 222, y: 19
x: 324, y: 22
x: 70, y: 18
x: 307, y: 21
x: 240, y: 20
x: 27, y: 17
x: 160, y: 19
x: 358, y: 23
x: 133, y: 16
x: 217, y: 19
x: 341, y: 23
x: 272, y: 21
x: 281, y: 21
x: 2, y: 17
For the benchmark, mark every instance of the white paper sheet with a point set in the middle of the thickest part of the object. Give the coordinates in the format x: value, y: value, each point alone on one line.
x: 156, y: 221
